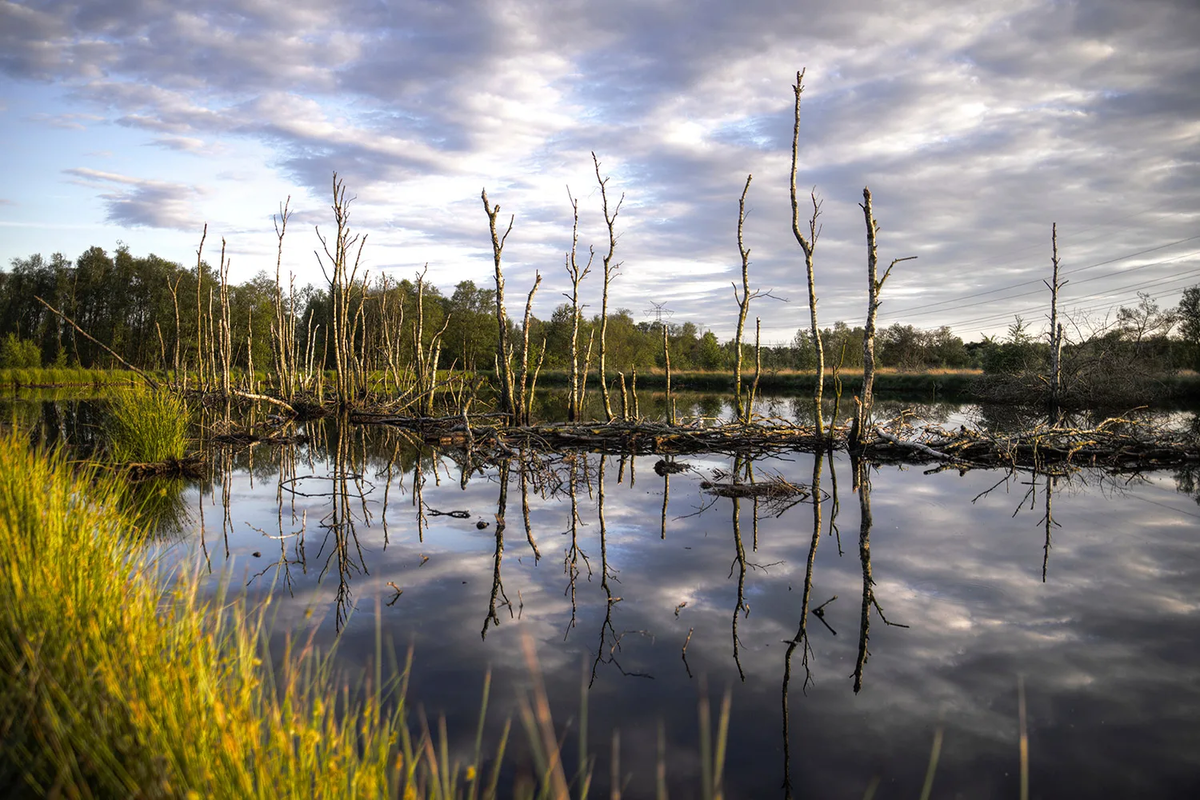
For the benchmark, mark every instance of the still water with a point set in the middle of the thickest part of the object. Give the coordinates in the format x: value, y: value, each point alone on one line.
x: 613, y: 579
x: 643, y: 593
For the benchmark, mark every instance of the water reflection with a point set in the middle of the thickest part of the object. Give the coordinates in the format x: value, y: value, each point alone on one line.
x: 1089, y: 591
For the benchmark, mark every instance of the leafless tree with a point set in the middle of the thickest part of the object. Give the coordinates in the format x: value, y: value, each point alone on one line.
x: 610, y: 269
x: 503, y: 366
x: 807, y: 245
x: 575, y: 400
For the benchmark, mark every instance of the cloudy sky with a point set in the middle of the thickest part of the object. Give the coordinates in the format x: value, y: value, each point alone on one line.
x: 975, y: 128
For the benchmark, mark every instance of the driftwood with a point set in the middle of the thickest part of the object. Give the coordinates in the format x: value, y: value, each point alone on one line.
x: 188, y: 466
x: 774, y: 488
x: 1115, y: 444
x: 641, y: 437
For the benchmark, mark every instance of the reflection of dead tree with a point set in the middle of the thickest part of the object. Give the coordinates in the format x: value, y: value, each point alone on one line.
x: 606, y: 573
x: 574, y: 553
x: 522, y: 471
x: 739, y: 562
x: 801, y: 637
x: 666, y: 500
x: 497, y: 584
x: 287, y: 471
x: 339, y: 527
x: 417, y: 498
x: 1048, y: 521
x: 862, y: 472
x: 835, y: 506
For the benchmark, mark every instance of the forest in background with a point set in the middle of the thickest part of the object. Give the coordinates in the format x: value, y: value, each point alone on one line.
x: 126, y: 302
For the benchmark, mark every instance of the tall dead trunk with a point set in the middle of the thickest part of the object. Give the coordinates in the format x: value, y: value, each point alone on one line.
x: 807, y: 245
x: 503, y: 367
x: 862, y: 411
x: 1055, y: 327
x: 743, y: 302
x: 610, y: 269
x: 522, y: 399
x: 575, y: 399
x: 341, y: 278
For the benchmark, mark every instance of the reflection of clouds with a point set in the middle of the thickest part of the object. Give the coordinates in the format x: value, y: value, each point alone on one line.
x: 1108, y: 638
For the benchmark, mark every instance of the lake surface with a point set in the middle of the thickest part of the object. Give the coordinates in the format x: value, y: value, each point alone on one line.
x: 619, y: 569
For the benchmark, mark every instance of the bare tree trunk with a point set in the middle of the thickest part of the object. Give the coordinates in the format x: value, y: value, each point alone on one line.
x: 250, y: 350
x: 862, y: 411
x: 200, y: 373
x: 284, y: 368
x: 1055, y: 328
x: 587, y: 365
x: 522, y: 399
x: 537, y: 370
x: 743, y: 302
x: 575, y: 399
x: 610, y: 269
x: 340, y: 277
x: 503, y: 367
x: 224, y: 342
x: 757, y: 367
x: 807, y: 244
x: 667, y: 366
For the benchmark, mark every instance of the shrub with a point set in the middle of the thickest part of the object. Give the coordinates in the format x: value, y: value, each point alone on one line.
x: 19, y: 353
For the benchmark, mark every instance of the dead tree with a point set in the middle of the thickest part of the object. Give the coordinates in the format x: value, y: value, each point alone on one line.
x: 1056, y: 332
x: 862, y: 411
x: 610, y: 268
x: 743, y: 302
x: 283, y: 327
x: 575, y: 400
x: 807, y: 244
x: 201, y: 372
x: 340, y: 276
x: 503, y: 367
x: 524, y: 403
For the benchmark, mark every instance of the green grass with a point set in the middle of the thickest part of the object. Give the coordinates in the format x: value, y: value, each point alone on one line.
x: 119, y: 681
x: 65, y: 376
x: 146, y: 427
x: 111, y: 686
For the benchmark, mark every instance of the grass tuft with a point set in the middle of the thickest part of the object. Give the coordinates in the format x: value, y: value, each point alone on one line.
x: 147, y: 427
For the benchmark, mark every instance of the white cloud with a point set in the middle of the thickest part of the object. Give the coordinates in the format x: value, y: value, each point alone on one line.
x: 976, y: 126
x: 142, y: 202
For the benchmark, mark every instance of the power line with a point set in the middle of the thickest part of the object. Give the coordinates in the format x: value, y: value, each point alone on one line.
x: 1039, y: 280
x: 1076, y: 283
x: 1184, y: 278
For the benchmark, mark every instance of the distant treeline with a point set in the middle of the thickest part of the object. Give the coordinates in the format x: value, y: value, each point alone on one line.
x: 140, y: 305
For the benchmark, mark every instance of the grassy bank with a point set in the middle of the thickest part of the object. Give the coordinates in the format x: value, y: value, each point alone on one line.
x: 51, y: 377
x: 112, y: 687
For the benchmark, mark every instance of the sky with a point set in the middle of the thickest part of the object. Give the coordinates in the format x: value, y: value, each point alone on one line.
x: 975, y: 127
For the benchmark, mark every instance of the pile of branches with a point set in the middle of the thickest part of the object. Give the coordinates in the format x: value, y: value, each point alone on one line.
x: 638, y: 438
x: 1116, y: 444
x: 190, y: 466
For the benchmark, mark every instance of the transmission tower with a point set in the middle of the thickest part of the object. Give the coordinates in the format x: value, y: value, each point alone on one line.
x: 659, y: 311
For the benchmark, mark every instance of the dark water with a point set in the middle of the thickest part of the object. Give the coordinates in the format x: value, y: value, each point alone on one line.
x: 1099, y: 622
